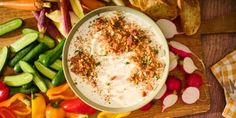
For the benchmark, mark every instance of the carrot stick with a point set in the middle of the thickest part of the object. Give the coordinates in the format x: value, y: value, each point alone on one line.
x: 92, y: 4
x: 24, y: 4
x: 41, y: 22
x: 50, y: 27
x: 66, y: 24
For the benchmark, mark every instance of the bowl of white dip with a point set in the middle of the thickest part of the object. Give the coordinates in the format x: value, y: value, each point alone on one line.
x: 116, y: 59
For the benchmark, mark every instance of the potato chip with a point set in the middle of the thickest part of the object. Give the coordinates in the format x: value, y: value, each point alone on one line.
x: 190, y: 15
x: 157, y: 9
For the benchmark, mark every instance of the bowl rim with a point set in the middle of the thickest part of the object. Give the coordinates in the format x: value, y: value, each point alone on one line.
x: 80, y: 94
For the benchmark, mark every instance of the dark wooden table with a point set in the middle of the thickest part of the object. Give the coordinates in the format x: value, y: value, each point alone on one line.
x: 215, y: 47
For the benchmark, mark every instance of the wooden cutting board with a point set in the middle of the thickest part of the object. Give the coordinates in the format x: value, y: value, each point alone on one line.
x: 193, y: 42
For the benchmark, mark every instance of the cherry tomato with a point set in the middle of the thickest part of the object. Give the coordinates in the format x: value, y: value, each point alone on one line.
x: 6, y: 113
x: 4, y: 92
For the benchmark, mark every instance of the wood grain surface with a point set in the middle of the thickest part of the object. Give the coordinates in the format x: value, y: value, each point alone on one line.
x: 215, y: 47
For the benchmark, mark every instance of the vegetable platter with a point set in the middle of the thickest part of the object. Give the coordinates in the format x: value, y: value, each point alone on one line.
x: 37, y: 68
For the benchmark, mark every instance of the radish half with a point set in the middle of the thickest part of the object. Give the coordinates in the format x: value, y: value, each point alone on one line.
x: 169, y: 101
x: 183, y: 51
x: 173, y: 61
x: 167, y: 27
x: 190, y: 95
x: 180, y: 49
x: 188, y: 65
x: 161, y: 92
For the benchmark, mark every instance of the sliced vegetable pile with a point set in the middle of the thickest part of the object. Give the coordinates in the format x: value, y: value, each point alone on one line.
x: 37, y: 88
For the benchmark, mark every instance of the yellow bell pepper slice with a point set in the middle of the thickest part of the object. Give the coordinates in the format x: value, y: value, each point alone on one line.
x: 112, y: 115
x: 19, y: 103
x: 38, y: 106
x: 62, y: 92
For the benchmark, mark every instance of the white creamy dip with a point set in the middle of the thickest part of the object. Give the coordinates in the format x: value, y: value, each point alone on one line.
x: 121, y: 92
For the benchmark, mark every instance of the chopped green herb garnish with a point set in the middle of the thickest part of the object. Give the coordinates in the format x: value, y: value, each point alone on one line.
x: 156, y: 51
x: 108, y: 83
x: 79, y: 51
x: 127, y: 62
x: 146, y: 61
x: 98, y: 63
x: 156, y: 77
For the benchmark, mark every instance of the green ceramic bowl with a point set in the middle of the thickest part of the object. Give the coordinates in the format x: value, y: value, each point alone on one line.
x: 86, y: 96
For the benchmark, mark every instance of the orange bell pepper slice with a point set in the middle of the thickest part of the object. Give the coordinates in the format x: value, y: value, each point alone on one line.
x: 19, y: 104
x: 62, y: 92
x: 54, y: 110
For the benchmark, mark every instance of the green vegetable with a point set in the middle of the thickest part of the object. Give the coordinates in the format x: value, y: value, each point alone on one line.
x: 59, y: 78
x: 21, y: 54
x: 46, y: 39
x: 44, y: 70
x: 56, y: 65
x: 23, y: 42
x: 54, y: 54
x: 38, y: 80
x: 48, y: 83
x: 14, y: 90
x: 29, y: 85
x: 10, y: 26
x: 3, y: 57
x: 18, y: 80
x: 32, y: 55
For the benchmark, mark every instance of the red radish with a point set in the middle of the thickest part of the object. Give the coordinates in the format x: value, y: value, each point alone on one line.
x: 161, y: 92
x: 173, y: 61
x: 188, y: 65
x: 173, y: 83
x: 146, y: 107
x: 194, y: 80
x: 167, y: 27
x: 183, y: 51
x: 169, y: 101
x: 180, y: 49
x: 190, y: 95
